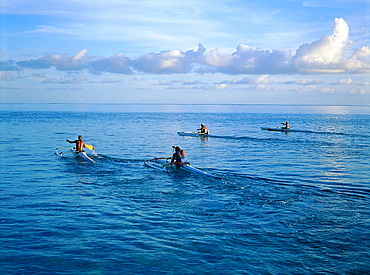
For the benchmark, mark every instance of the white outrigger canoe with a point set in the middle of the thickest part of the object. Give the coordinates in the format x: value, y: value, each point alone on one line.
x: 280, y: 129
x: 80, y: 155
x: 164, y: 164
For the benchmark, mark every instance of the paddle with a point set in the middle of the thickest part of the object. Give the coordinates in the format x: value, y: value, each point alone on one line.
x: 157, y: 158
x: 90, y: 147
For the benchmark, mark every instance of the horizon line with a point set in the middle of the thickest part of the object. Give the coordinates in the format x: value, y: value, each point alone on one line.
x: 187, y: 104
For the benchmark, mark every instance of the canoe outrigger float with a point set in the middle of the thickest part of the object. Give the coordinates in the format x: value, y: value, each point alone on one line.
x: 80, y: 155
x: 281, y: 129
x: 165, y: 165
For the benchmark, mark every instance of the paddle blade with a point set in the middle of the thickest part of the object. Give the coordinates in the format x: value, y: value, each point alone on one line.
x: 90, y: 147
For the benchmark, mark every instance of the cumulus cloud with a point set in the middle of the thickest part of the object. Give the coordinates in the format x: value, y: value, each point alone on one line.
x: 326, y: 90
x: 221, y: 86
x: 361, y: 91
x: 305, y: 82
x: 168, y: 62
x: 326, y: 54
x: 322, y: 56
x: 327, y: 50
x: 345, y: 81
x: 247, y: 60
x: 249, y: 80
x: 118, y: 64
x: 305, y: 89
x: 362, y: 53
x: 60, y: 62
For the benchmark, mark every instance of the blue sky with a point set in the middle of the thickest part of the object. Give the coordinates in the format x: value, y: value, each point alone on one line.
x: 193, y: 52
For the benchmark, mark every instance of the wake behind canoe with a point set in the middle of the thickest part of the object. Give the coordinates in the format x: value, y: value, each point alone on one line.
x: 80, y: 155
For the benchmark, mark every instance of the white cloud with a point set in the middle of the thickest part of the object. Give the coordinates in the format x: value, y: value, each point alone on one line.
x: 60, y: 62
x: 248, y: 60
x: 326, y: 54
x: 249, y: 80
x: 203, y: 87
x: 361, y: 53
x: 118, y: 64
x: 322, y: 56
x: 221, y: 86
x: 327, y: 90
x: 193, y: 82
x: 261, y: 87
x: 168, y: 62
x: 305, y: 82
x: 345, y: 81
x: 214, y: 59
x: 305, y: 89
x: 361, y: 91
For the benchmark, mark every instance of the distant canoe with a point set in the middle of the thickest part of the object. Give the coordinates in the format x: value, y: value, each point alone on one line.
x: 280, y: 129
x: 195, y: 134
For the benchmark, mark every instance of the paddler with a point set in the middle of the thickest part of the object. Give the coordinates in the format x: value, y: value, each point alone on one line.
x: 179, y: 156
x: 203, y: 129
x: 286, y: 125
x: 79, y: 144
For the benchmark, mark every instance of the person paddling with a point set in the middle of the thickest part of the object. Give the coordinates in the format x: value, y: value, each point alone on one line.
x: 178, y: 157
x: 80, y: 144
x: 203, y: 129
x: 286, y: 125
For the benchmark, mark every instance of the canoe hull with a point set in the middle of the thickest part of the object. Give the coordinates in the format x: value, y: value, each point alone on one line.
x: 84, y: 157
x: 80, y: 155
x: 279, y: 129
x: 194, y: 134
x: 160, y: 163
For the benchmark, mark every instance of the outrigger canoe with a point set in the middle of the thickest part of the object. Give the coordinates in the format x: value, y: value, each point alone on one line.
x: 164, y: 164
x: 80, y: 155
x: 195, y: 134
x: 280, y: 129
x: 192, y: 134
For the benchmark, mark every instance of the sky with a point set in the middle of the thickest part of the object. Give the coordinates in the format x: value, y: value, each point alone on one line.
x: 185, y: 52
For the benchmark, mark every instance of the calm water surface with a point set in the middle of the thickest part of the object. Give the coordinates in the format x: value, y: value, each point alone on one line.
x: 295, y: 203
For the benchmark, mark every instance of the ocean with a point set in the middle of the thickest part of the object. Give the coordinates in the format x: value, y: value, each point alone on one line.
x: 286, y: 203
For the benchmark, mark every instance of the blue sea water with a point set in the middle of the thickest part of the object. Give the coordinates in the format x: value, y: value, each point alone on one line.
x: 287, y: 203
